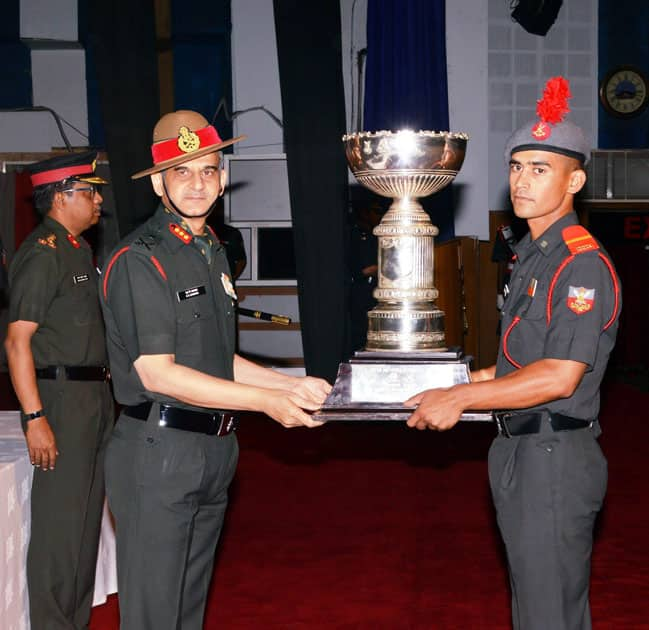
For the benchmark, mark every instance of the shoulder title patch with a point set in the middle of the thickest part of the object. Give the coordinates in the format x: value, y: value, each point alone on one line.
x: 578, y: 239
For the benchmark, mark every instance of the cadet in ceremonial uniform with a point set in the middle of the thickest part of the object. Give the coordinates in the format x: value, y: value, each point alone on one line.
x: 548, y: 475
x: 169, y: 307
x: 57, y: 359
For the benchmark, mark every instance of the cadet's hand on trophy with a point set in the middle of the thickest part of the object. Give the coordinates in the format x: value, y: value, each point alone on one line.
x: 41, y: 444
x: 290, y: 409
x: 437, y: 409
x: 313, y: 389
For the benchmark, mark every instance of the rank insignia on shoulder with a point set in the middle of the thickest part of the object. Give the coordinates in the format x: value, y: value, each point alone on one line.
x: 75, y: 243
x: 580, y: 300
x: 227, y: 286
x: 50, y: 241
x: 179, y: 233
x: 578, y: 239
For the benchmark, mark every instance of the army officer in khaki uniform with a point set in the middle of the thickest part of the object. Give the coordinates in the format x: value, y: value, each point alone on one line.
x: 57, y: 359
x: 169, y: 306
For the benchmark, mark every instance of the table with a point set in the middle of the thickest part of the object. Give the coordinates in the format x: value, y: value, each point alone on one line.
x: 15, y: 485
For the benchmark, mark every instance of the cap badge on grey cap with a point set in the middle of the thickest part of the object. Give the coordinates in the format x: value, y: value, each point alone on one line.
x: 550, y: 131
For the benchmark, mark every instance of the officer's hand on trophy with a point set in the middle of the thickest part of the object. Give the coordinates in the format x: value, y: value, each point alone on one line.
x: 41, y: 444
x: 437, y: 409
x: 290, y: 409
x: 312, y: 389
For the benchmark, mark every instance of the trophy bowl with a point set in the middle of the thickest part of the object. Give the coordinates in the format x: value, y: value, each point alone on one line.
x: 405, y: 165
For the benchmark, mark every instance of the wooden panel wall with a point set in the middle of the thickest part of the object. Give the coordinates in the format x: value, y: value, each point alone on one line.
x: 467, y: 281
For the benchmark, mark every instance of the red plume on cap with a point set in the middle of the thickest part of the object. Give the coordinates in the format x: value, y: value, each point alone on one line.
x: 565, y: 138
x: 554, y: 104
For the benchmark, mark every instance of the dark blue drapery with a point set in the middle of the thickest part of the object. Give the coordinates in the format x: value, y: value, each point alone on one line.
x: 405, y: 78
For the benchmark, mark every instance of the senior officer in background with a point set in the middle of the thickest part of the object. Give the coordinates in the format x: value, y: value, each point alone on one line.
x: 548, y: 475
x: 57, y: 360
x: 169, y: 307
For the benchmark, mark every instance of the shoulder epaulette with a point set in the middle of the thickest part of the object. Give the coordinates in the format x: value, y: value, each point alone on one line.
x: 579, y: 240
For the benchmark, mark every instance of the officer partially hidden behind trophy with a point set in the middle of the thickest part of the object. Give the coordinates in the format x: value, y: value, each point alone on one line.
x: 548, y: 475
x: 169, y: 306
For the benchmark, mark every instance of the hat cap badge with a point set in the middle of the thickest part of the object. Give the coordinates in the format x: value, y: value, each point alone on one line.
x: 188, y: 141
x: 541, y: 131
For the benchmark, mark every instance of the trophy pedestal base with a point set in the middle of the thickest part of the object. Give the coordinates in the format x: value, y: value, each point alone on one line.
x: 373, y: 385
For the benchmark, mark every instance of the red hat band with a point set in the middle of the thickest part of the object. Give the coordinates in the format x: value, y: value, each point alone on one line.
x: 187, y: 142
x: 59, y: 174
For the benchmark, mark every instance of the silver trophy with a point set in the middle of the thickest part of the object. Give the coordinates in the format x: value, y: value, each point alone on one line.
x: 406, y: 348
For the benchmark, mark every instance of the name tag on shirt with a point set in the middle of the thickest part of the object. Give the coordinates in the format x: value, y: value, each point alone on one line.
x: 80, y: 278
x: 190, y: 293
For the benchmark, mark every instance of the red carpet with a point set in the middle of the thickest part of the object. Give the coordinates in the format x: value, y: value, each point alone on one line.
x: 376, y: 526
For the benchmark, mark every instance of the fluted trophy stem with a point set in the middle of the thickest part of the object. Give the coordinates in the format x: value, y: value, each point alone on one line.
x: 405, y: 166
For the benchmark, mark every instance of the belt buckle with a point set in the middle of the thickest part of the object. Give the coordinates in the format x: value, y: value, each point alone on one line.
x: 227, y: 423
x: 501, y: 424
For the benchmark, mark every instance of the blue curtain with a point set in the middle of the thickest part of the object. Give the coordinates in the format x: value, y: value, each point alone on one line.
x: 405, y: 79
x: 201, y: 33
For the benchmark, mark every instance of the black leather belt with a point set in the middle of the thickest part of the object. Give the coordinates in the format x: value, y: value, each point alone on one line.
x: 217, y: 423
x: 510, y: 423
x: 75, y: 372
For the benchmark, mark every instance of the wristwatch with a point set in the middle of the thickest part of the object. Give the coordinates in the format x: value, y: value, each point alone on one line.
x: 32, y: 416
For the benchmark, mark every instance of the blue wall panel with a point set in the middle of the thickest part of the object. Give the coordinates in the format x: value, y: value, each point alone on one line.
x: 15, y: 69
x: 623, y: 40
x: 96, y: 135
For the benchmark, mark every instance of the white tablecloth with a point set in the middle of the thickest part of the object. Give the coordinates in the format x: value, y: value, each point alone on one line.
x: 15, y: 485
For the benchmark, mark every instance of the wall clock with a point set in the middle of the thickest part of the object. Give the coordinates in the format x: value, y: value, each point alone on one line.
x: 623, y: 92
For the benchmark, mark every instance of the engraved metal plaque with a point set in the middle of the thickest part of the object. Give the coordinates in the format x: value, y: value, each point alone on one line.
x: 373, y: 387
